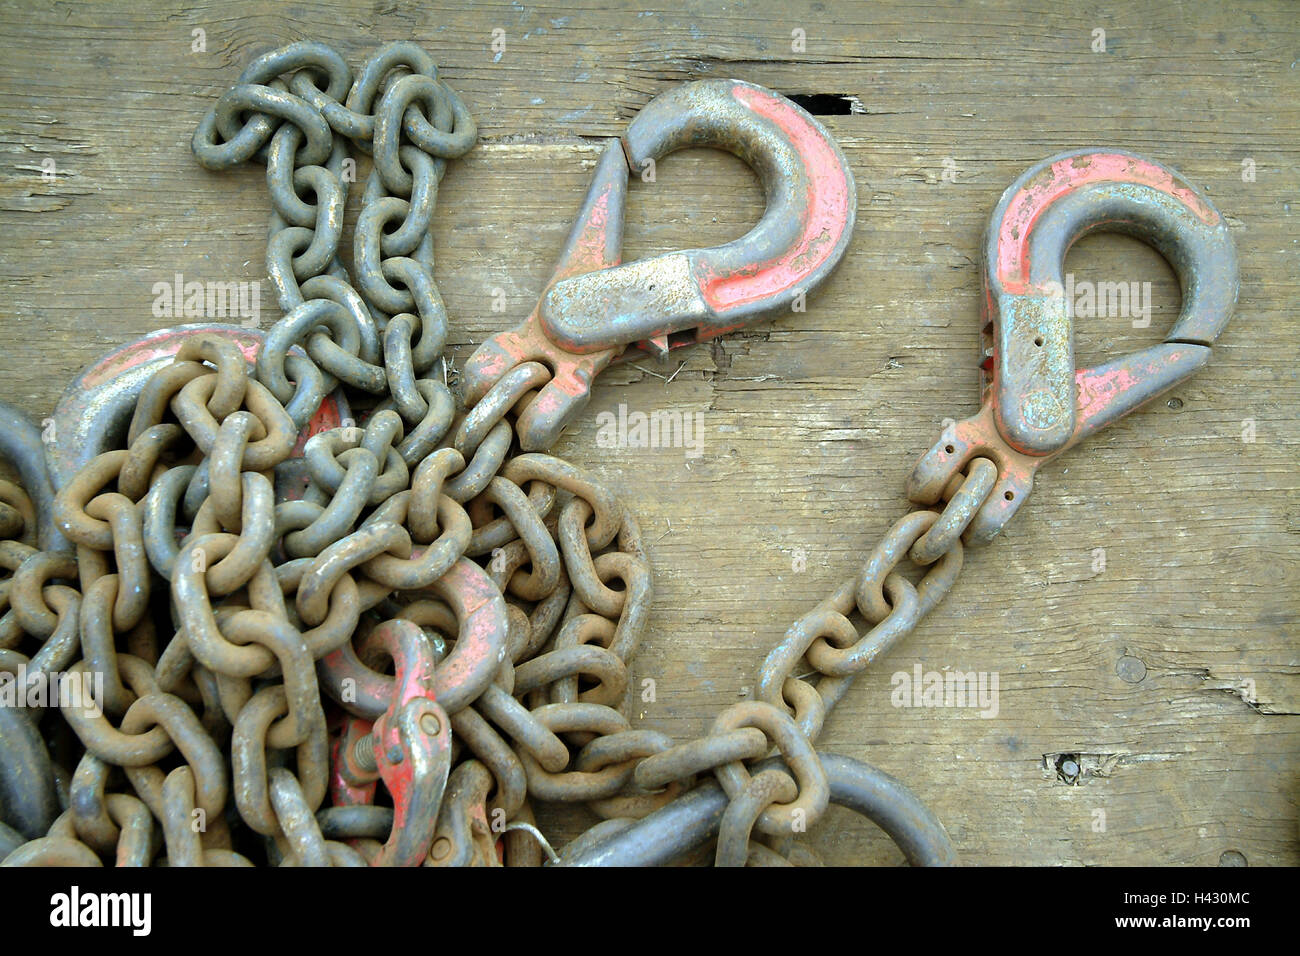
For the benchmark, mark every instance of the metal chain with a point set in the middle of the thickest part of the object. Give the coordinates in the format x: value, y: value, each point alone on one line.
x: 246, y: 555
x: 789, y: 710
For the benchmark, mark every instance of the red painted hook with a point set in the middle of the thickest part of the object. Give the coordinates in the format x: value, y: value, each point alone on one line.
x: 595, y: 308
x: 408, y: 747
x: 1036, y: 403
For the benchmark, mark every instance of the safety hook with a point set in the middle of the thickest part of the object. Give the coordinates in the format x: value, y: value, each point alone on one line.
x: 596, y: 310
x: 1036, y: 403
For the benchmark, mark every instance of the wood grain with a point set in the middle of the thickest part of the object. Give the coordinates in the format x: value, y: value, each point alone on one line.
x: 811, y: 421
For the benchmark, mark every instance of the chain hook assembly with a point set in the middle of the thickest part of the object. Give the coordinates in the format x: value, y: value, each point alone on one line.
x: 596, y: 309
x: 1036, y: 403
x: 408, y: 747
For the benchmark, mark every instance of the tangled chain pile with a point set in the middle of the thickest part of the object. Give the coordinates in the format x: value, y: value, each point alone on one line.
x: 287, y: 608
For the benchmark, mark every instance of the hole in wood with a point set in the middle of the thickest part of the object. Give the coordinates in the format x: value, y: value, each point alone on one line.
x: 825, y: 104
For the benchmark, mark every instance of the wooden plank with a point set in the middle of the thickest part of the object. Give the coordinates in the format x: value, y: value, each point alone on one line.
x: 811, y: 421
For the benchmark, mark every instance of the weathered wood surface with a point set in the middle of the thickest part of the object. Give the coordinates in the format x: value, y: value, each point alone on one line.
x: 810, y: 422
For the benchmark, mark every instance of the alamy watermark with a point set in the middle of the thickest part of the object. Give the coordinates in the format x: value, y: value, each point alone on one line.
x: 179, y: 299
x: 658, y: 429
x: 133, y: 911
x: 947, y: 688
x: 1085, y: 300
x: 81, y: 690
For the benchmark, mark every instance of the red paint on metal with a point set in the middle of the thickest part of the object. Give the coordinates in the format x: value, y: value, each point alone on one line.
x: 343, y: 792
x: 326, y: 417
x: 481, y: 612
x: 467, y: 587
x: 1096, y: 389
x: 827, y: 212
x: 494, y: 366
x: 591, y: 251
x: 160, y: 345
x: 1062, y: 177
x: 547, y: 401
